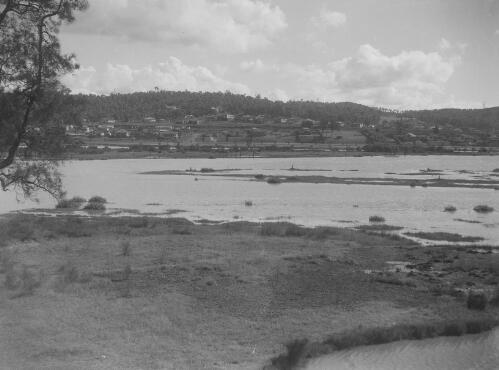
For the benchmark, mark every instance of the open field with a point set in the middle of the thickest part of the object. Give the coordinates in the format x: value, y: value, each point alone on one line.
x: 108, y: 293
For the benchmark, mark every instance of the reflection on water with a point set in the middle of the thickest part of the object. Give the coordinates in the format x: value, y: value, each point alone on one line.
x: 219, y: 198
x: 480, y: 351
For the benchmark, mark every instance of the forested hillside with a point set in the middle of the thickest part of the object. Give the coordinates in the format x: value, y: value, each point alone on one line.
x: 136, y: 106
x: 483, y: 119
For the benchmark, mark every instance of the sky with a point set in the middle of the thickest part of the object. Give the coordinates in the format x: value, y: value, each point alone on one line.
x: 397, y: 54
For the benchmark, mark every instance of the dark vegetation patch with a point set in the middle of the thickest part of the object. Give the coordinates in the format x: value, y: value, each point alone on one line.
x: 443, y: 236
x: 379, y: 227
x: 287, y: 229
x: 91, y: 206
x: 97, y: 199
x: 483, y: 208
x: 450, y: 209
x: 376, y: 218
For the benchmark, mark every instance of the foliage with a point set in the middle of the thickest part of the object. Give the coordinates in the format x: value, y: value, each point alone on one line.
x: 31, y: 63
x: 97, y: 199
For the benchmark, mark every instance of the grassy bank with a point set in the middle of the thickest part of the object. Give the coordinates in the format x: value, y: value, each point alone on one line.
x: 150, y: 293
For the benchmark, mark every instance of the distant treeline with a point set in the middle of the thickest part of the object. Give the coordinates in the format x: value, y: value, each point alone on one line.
x: 483, y: 119
x: 158, y: 104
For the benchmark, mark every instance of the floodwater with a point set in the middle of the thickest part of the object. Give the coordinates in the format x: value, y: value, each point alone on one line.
x: 223, y: 198
x: 478, y: 351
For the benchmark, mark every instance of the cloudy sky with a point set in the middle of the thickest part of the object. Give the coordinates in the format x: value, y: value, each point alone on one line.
x: 398, y: 54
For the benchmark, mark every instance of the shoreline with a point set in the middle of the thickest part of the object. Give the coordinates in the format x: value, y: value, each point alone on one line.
x: 223, y: 289
x: 300, y: 352
x: 266, y: 154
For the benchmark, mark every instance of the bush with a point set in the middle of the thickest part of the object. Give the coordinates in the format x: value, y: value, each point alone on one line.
x: 477, y: 301
x: 273, y: 180
x: 74, y: 202
x: 92, y: 206
x: 259, y: 176
x: 97, y: 199
x: 450, y: 209
x: 376, y: 219
x: 207, y: 170
x: 483, y: 209
x: 248, y: 203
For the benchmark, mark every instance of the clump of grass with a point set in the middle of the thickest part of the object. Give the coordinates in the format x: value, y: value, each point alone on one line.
x: 483, y: 208
x: 376, y: 218
x: 477, y: 301
x: 97, y: 199
x: 248, y: 203
x: 273, y: 180
x: 28, y: 283
x: 450, y: 209
x: 93, y: 206
x: 126, y: 248
x: 127, y: 288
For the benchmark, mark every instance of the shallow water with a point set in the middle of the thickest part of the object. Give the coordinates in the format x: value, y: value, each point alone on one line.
x: 479, y: 351
x: 217, y: 198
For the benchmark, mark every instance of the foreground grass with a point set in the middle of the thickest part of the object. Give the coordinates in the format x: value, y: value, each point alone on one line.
x: 138, y: 292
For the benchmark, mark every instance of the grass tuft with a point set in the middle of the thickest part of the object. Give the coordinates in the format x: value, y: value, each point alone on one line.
x: 376, y: 218
x: 482, y: 208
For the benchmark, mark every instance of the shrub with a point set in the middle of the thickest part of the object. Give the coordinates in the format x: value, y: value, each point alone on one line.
x: 376, y: 218
x: 259, y: 176
x: 92, y: 206
x: 248, y: 203
x: 207, y: 170
x: 273, y: 180
x: 97, y: 199
x: 495, y: 170
x: 74, y: 202
x: 483, y: 209
x: 477, y: 301
x: 450, y: 209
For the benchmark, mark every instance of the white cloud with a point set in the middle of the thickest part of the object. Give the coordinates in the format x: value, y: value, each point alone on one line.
x: 170, y: 75
x: 228, y: 25
x: 444, y: 44
x: 411, y: 79
x: 330, y: 18
x: 257, y: 66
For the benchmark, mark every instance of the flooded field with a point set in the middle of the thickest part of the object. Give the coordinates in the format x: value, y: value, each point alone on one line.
x: 208, y: 195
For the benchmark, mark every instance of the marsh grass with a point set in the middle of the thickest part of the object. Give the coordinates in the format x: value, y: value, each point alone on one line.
x: 95, y: 206
x: 483, y: 208
x: 376, y: 218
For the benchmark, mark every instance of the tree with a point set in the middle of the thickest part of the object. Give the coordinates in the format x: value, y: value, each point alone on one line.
x: 31, y: 63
